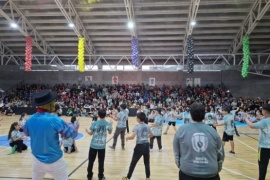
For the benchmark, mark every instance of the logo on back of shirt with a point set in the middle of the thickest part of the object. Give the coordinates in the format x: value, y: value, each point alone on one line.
x: 199, y: 142
x: 144, y: 133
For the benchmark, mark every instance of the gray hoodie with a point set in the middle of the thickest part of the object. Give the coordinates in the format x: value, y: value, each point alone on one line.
x: 198, y: 150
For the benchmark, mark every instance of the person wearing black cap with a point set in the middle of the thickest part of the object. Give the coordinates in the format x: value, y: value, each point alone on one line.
x: 264, y: 139
x: 44, y: 128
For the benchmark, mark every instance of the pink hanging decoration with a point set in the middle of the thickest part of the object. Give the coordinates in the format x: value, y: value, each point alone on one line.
x: 28, y: 54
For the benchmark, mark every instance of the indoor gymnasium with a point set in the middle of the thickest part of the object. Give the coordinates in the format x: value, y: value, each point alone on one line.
x: 134, y: 89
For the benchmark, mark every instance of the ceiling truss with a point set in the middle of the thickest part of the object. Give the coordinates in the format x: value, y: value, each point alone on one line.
x: 256, y: 13
x: 72, y: 17
x: 193, y: 10
x: 27, y: 29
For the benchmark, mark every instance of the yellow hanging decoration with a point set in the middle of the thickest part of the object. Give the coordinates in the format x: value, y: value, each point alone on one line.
x: 81, y: 55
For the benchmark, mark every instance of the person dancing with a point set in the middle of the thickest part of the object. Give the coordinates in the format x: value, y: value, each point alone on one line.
x: 44, y: 128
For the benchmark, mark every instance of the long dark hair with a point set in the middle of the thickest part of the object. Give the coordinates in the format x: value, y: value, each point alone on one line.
x: 22, y: 116
x: 12, y: 128
x: 73, y: 119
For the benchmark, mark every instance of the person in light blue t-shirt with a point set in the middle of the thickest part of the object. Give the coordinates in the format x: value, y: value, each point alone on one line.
x: 44, y: 128
x: 210, y: 118
x: 172, y: 116
x: 121, y: 119
x: 264, y: 139
x: 185, y: 116
x: 142, y: 131
x: 99, y: 131
x: 229, y: 131
x: 156, y: 129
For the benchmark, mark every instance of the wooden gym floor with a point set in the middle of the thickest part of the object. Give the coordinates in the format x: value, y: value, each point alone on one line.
x: 243, y: 165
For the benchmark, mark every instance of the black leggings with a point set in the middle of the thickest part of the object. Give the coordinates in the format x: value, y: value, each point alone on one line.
x: 263, y: 160
x: 20, y: 145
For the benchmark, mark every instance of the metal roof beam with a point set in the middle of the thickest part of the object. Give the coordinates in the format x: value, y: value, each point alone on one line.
x: 73, y: 17
x: 256, y: 13
x: 4, y: 50
x: 27, y: 29
x: 193, y: 10
x: 144, y: 4
x: 131, y: 18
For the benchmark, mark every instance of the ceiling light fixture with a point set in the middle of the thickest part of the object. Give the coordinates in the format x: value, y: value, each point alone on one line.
x: 193, y: 23
x: 71, y: 25
x: 13, y: 25
x: 130, y: 25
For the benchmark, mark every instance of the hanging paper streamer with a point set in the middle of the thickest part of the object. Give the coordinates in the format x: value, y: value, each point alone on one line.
x: 28, y: 54
x: 190, y: 47
x: 81, y: 55
x: 246, y: 56
x: 135, y: 52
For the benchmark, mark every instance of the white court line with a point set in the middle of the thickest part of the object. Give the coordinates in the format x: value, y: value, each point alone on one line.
x: 241, y: 159
x: 246, y: 145
x: 237, y: 173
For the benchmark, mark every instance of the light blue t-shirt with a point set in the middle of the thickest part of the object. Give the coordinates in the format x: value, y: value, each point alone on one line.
x: 229, y: 124
x: 233, y: 112
x: 157, y: 130
x: 67, y: 142
x: 122, y: 118
x: 127, y: 111
x: 142, y: 130
x: 14, y: 134
x: 185, y: 116
x: 100, y: 129
x: 146, y: 112
x: 171, y: 117
x: 43, y: 129
x: 264, y: 138
x: 209, y: 118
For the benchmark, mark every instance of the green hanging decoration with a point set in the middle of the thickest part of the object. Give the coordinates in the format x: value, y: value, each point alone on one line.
x: 246, y: 56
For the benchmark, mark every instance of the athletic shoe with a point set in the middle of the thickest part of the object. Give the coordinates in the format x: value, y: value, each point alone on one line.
x: 150, y: 150
x: 103, y: 178
x: 232, y: 152
x: 125, y: 178
x: 112, y: 147
x: 165, y: 133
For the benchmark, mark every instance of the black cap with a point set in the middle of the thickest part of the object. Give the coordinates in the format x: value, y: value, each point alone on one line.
x: 43, y: 97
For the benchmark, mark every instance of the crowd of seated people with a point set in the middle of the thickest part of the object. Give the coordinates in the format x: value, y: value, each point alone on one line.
x: 81, y: 100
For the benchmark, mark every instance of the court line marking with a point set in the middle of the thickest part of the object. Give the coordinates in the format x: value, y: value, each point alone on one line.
x: 246, y: 144
x: 237, y: 173
x: 227, y: 154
